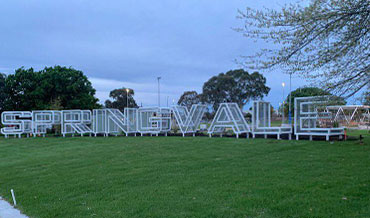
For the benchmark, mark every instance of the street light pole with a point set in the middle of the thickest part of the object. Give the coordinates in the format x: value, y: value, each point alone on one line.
x: 290, y: 98
x: 159, y: 94
x: 127, y: 90
x: 280, y: 108
x: 128, y: 126
x: 283, y: 118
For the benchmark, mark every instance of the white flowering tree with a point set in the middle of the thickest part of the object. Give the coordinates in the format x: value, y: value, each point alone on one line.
x: 327, y: 41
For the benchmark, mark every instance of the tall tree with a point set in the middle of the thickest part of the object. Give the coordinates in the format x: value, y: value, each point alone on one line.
x: 3, y: 95
x: 24, y: 91
x: 307, y: 92
x: 327, y: 40
x: 119, y: 97
x: 31, y: 90
x: 68, y: 86
x: 189, y: 98
x: 234, y: 86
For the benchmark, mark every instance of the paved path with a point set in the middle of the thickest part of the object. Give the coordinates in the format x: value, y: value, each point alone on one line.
x: 8, y: 211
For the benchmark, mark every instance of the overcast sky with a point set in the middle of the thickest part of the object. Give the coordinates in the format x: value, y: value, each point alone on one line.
x: 130, y: 43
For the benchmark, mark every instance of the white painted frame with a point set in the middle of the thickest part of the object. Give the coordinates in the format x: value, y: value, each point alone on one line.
x: 312, y: 115
x: 235, y: 121
x: 16, y: 123
x: 153, y: 120
x: 43, y: 120
x: 258, y: 129
x: 188, y: 121
x: 76, y: 121
x: 109, y: 121
x: 131, y: 116
x: 351, y: 110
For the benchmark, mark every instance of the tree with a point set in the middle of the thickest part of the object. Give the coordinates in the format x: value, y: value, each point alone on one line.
x: 189, y: 98
x: 23, y: 90
x: 2, y: 91
x: 70, y: 87
x: 56, y: 104
x: 234, y: 86
x: 120, y: 99
x: 327, y: 40
x: 365, y: 98
x: 51, y: 87
x: 307, y: 92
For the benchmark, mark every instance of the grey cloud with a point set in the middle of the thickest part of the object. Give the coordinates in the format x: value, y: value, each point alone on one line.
x: 131, y: 41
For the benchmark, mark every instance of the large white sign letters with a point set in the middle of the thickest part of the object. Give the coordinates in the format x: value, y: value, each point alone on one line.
x: 309, y: 114
x: 229, y: 116
x: 261, y: 121
x: 188, y: 121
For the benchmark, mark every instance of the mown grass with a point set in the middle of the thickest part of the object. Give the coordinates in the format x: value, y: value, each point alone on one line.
x: 186, y: 177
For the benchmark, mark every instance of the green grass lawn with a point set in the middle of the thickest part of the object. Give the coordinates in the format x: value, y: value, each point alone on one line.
x: 186, y: 177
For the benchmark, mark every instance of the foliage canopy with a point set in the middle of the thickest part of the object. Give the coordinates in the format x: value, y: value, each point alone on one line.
x: 120, y: 99
x: 189, y: 98
x: 62, y: 87
x: 327, y: 41
x: 234, y: 86
x: 307, y: 92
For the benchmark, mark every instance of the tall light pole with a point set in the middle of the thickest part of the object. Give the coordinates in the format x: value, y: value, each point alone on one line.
x: 283, y: 118
x: 159, y: 93
x: 280, y: 109
x: 290, y: 98
x: 127, y: 91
